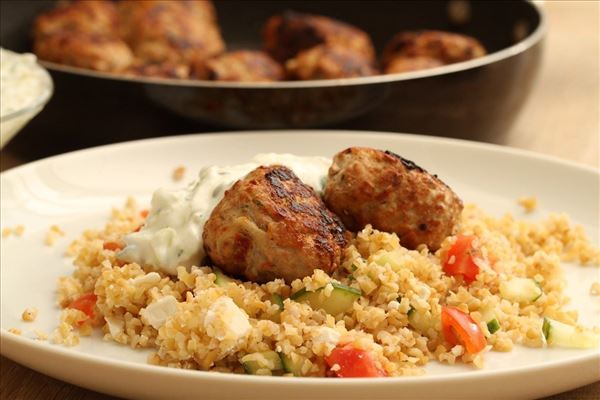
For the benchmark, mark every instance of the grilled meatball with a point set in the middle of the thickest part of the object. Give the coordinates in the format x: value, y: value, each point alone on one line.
x: 170, y: 31
x: 100, y: 53
x: 404, y: 64
x: 91, y: 17
x: 159, y: 70
x: 243, y: 65
x: 289, y: 33
x: 328, y: 62
x: 444, y: 47
x: 271, y: 225
x: 368, y: 186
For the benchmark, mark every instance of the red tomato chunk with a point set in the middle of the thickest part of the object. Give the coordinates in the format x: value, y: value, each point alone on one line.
x: 86, y: 304
x: 353, y: 363
x: 114, y: 246
x: 461, y: 259
x: 459, y: 328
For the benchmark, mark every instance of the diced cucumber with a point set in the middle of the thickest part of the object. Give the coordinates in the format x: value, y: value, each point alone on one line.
x: 493, y: 326
x: 420, y: 321
x: 522, y: 290
x: 487, y: 314
x: 292, y: 363
x: 340, y: 300
x: 560, y: 334
x: 389, y: 257
x: 222, y: 279
x: 277, y: 299
x: 262, y: 363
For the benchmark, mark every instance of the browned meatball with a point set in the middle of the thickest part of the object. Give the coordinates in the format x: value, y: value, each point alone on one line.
x: 289, y: 33
x: 328, y: 62
x: 445, y: 47
x: 170, y: 31
x: 271, y: 225
x: 100, y: 53
x: 159, y: 70
x: 90, y: 17
x: 404, y: 64
x: 242, y: 65
x: 368, y: 186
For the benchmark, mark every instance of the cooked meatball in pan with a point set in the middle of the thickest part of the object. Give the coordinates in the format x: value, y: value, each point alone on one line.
x: 159, y: 70
x: 271, y: 225
x: 368, y: 186
x: 242, y: 65
x: 100, y: 53
x: 404, y: 64
x: 431, y: 48
x: 287, y: 34
x: 329, y: 62
x: 87, y: 17
x: 170, y: 31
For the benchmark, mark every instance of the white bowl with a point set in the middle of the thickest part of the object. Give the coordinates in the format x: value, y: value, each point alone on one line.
x: 12, y: 123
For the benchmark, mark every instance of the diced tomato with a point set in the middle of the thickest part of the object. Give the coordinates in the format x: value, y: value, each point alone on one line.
x: 353, y: 363
x: 144, y: 213
x: 461, y: 259
x: 138, y: 228
x: 459, y: 328
x: 114, y: 246
x: 86, y: 304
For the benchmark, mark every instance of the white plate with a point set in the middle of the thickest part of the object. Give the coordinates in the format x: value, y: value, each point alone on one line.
x: 76, y: 191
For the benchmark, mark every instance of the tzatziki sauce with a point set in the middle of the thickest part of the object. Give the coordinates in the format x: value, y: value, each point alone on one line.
x: 23, y: 83
x: 172, y: 234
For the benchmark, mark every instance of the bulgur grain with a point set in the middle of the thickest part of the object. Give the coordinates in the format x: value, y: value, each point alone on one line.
x: 40, y: 335
x: 53, y: 235
x: 529, y: 204
x: 29, y: 314
x: 178, y: 173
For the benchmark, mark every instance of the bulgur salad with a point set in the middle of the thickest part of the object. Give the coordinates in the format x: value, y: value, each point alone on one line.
x: 367, y: 266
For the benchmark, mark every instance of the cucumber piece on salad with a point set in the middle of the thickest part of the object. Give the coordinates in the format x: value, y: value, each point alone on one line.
x: 420, y: 321
x: 560, y: 334
x: 222, y: 279
x: 340, y: 300
x: 277, y: 299
x: 493, y: 326
x: 262, y: 363
x: 489, y: 316
x: 292, y: 363
x: 521, y: 290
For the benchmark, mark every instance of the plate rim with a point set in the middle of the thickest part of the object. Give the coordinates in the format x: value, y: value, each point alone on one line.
x: 490, y: 147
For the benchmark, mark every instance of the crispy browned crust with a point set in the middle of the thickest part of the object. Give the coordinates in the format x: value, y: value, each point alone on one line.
x: 329, y: 62
x: 271, y: 225
x: 445, y: 47
x: 170, y: 31
x: 290, y: 32
x: 159, y: 70
x: 100, y: 53
x: 242, y: 65
x: 399, y: 64
x: 368, y: 186
x: 93, y: 17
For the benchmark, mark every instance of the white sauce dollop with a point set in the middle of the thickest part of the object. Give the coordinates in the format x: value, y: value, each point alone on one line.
x: 23, y: 83
x: 172, y: 235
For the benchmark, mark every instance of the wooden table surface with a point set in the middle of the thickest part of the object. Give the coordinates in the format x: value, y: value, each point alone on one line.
x: 561, y: 118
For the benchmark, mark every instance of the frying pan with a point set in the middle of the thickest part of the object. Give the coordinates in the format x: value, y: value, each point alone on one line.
x: 477, y: 99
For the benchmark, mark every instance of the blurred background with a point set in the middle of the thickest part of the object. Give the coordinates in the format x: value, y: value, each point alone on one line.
x: 537, y: 89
